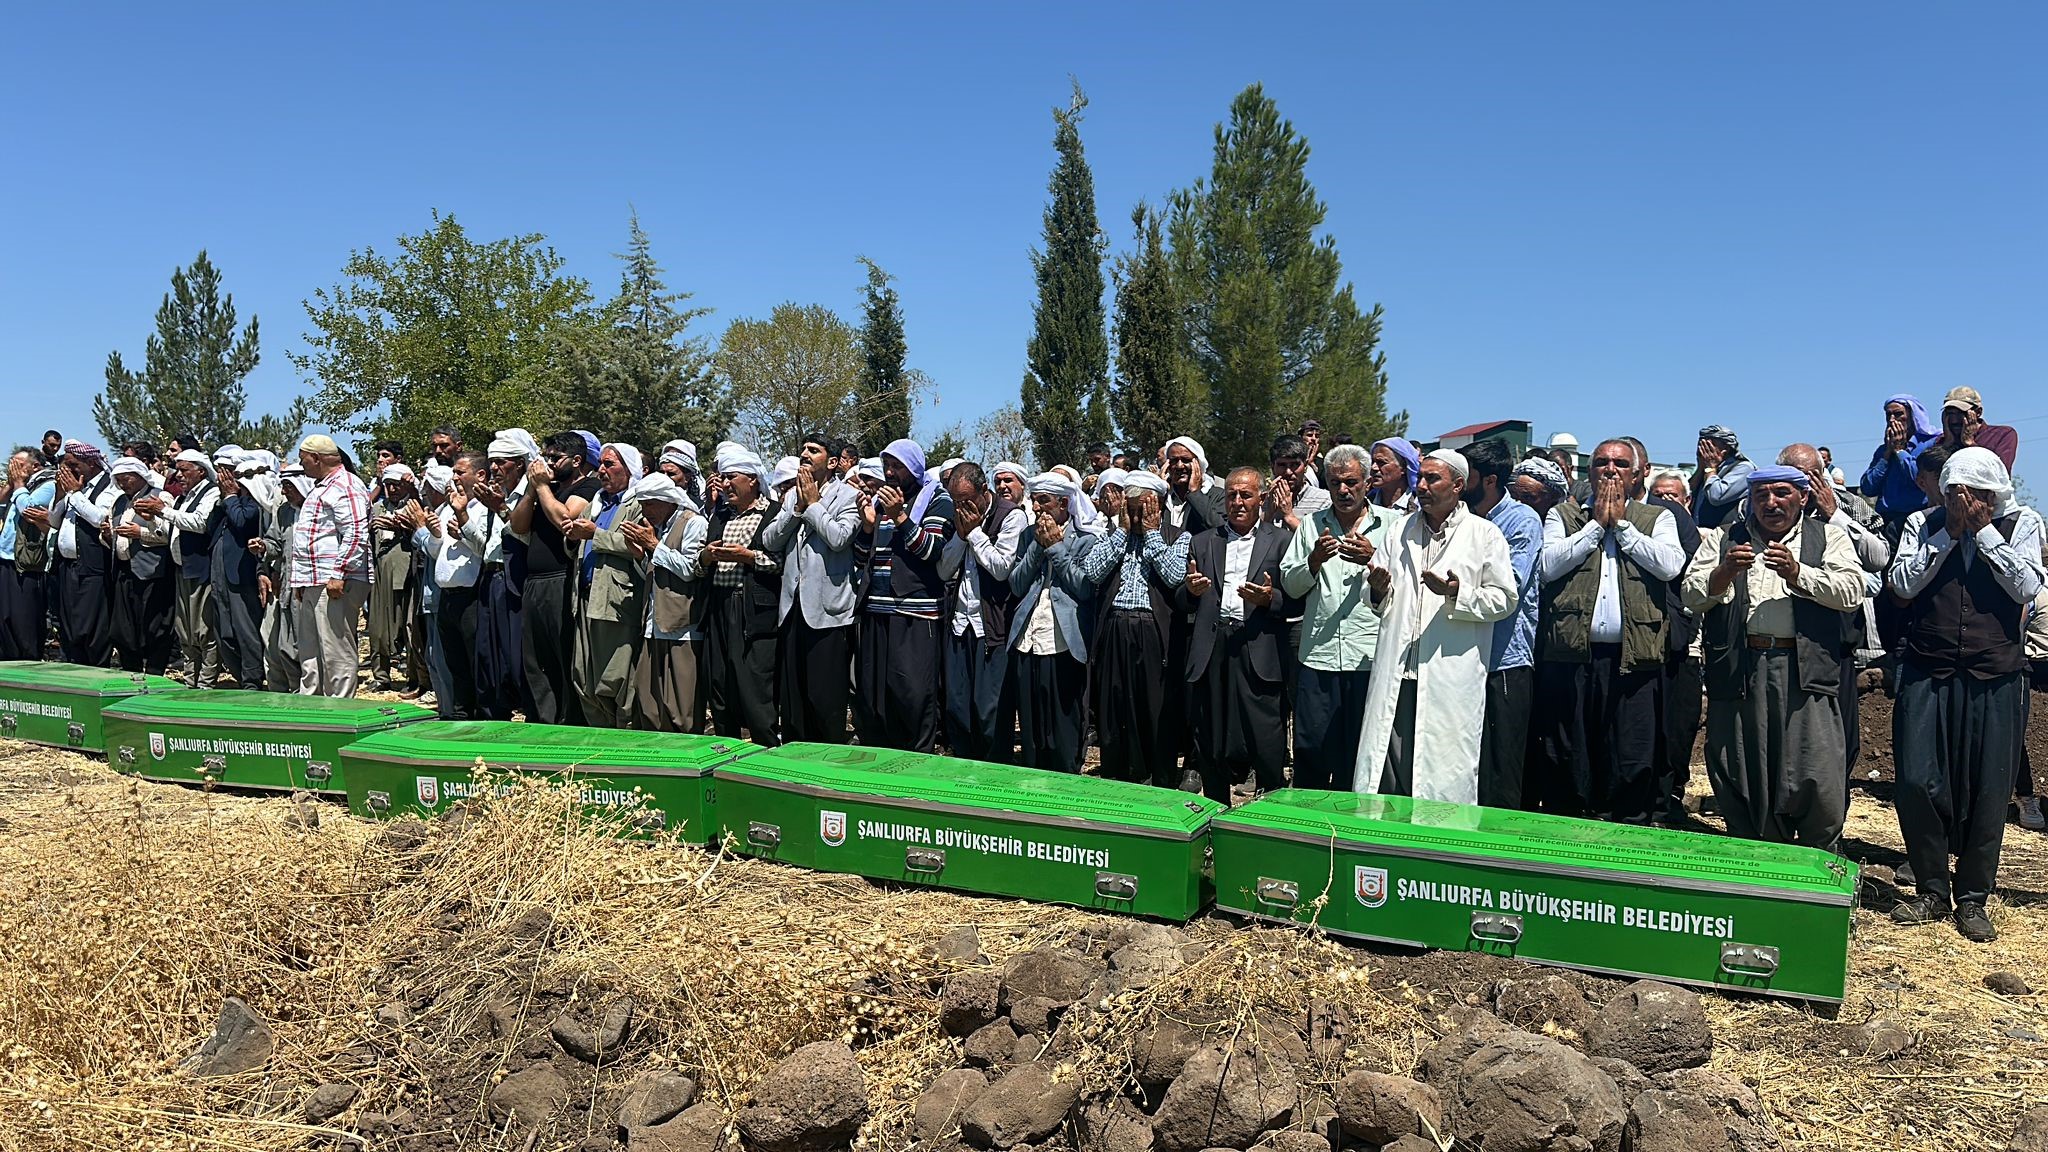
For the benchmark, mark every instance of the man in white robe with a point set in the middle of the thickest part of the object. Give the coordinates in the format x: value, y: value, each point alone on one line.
x: 1447, y: 579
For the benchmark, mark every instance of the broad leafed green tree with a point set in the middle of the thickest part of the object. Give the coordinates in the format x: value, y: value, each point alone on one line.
x: 796, y: 373
x: 1065, y: 397
x: 193, y: 369
x: 1153, y: 399
x: 1274, y: 333
x: 450, y: 330
x: 643, y: 379
x: 885, y: 394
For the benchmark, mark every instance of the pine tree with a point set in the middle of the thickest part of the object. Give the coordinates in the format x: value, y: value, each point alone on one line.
x: 884, y: 404
x: 192, y: 375
x: 1065, y: 394
x: 1153, y: 398
x: 642, y: 380
x: 1273, y: 336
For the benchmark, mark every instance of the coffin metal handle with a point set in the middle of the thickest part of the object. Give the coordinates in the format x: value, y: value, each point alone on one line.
x: 651, y: 819
x: 378, y: 802
x: 76, y: 731
x: 926, y: 861
x: 126, y: 755
x: 1277, y: 893
x: 9, y: 722
x: 1116, y: 886
x: 213, y: 766
x: 319, y: 770
x: 1749, y: 959
x: 1497, y: 927
x: 764, y: 835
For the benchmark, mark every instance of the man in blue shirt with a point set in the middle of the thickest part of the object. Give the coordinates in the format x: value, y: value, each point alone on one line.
x: 1511, y: 669
x: 24, y: 602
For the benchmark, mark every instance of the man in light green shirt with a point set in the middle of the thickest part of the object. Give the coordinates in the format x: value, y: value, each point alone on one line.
x: 1330, y: 562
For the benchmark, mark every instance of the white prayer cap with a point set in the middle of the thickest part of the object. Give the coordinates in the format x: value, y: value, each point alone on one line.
x: 129, y: 466
x: 300, y: 481
x: 1978, y: 468
x: 393, y: 472
x: 871, y: 468
x: 1193, y: 446
x: 1012, y: 467
x: 785, y: 471
x: 1049, y: 484
x: 951, y: 464
x: 193, y: 456
x: 1453, y: 460
x: 1139, y: 480
x: 655, y: 487
x: 225, y: 454
x: 1109, y: 476
x: 438, y: 477
x: 514, y: 444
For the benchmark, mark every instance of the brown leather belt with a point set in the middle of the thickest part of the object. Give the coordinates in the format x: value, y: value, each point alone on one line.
x: 1766, y: 643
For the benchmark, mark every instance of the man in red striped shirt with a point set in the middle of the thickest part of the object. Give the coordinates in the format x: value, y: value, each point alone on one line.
x: 329, y: 570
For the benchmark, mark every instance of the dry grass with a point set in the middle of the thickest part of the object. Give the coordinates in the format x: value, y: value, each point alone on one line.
x: 128, y: 910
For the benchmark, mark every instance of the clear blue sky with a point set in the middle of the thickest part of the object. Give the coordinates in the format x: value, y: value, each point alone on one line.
x: 1608, y: 218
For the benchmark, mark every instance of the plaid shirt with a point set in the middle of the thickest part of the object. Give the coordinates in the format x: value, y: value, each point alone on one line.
x: 331, y: 537
x: 739, y: 533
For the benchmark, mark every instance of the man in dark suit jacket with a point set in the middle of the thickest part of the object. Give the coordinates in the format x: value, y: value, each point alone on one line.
x: 1237, y: 647
x: 237, y: 597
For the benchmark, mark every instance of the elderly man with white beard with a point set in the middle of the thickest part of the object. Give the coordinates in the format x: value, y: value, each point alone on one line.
x: 1772, y: 588
x: 1447, y: 579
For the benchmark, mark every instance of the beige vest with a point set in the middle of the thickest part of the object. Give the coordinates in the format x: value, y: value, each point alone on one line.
x: 675, y: 599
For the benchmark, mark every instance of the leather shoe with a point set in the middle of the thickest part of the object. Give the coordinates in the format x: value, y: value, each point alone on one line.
x: 1974, y: 924
x: 1920, y: 910
x: 1191, y: 782
x: 1903, y: 875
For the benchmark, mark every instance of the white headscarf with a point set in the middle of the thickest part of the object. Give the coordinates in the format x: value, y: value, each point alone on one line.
x: 630, y: 456
x: 1193, y: 446
x: 1013, y: 468
x: 391, y: 472
x: 1081, y: 511
x: 226, y: 453
x: 130, y: 466
x: 734, y: 458
x: 192, y: 456
x: 871, y: 468
x: 514, y: 444
x: 784, y: 472
x: 682, y: 454
x: 657, y: 486
x: 1453, y: 460
x: 438, y: 477
x: 1139, y: 480
x: 1109, y: 476
x: 1978, y: 468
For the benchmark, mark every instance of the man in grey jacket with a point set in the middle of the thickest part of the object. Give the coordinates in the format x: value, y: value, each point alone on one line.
x: 815, y: 530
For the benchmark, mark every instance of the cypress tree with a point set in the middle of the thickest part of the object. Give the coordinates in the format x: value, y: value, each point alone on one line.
x: 192, y: 374
x: 1273, y: 336
x: 884, y: 403
x: 1154, y: 379
x: 643, y: 380
x: 1065, y: 394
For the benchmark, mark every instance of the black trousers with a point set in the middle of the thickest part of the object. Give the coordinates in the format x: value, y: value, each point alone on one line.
x: 456, y: 618
x: 548, y: 648
x: 1329, y: 709
x: 735, y: 673
x: 1397, y: 776
x: 1052, y: 705
x: 1238, y: 720
x: 897, y: 681
x: 497, y: 655
x: 85, y: 613
x: 24, y: 612
x: 1684, y: 693
x: 238, y: 623
x: 981, y: 700
x: 142, y: 622
x: 1504, y: 741
x: 1957, y: 741
x: 1608, y: 739
x: 817, y: 664
x: 1131, y: 694
x: 1852, y: 720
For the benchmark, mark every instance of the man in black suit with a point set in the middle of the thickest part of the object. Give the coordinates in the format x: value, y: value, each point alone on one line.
x: 1237, y: 648
x: 237, y: 596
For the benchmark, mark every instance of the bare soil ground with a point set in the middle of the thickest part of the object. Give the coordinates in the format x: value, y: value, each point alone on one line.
x: 421, y: 971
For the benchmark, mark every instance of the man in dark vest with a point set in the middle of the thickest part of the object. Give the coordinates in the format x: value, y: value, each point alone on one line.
x: 988, y: 537
x: 82, y: 596
x: 1968, y: 568
x: 1605, y: 567
x: 1771, y: 589
x: 905, y: 526
x: 1838, y: 508
x: 144, y: 580
x: 1236, y: 653
x: 1135, y: 570
x: 193, y: 513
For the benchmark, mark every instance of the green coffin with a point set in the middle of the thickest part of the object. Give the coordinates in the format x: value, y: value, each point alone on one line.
x: 1687, y: 907
x: 658, y: 780
x: 986, y: 828
x: 245, y: 739
x: 59, y: 704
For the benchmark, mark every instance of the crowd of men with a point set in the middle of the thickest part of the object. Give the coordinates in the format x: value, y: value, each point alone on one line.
x: 1459, y: 626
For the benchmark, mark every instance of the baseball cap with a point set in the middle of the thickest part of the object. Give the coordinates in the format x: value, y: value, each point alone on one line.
x: 1963, y: 397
